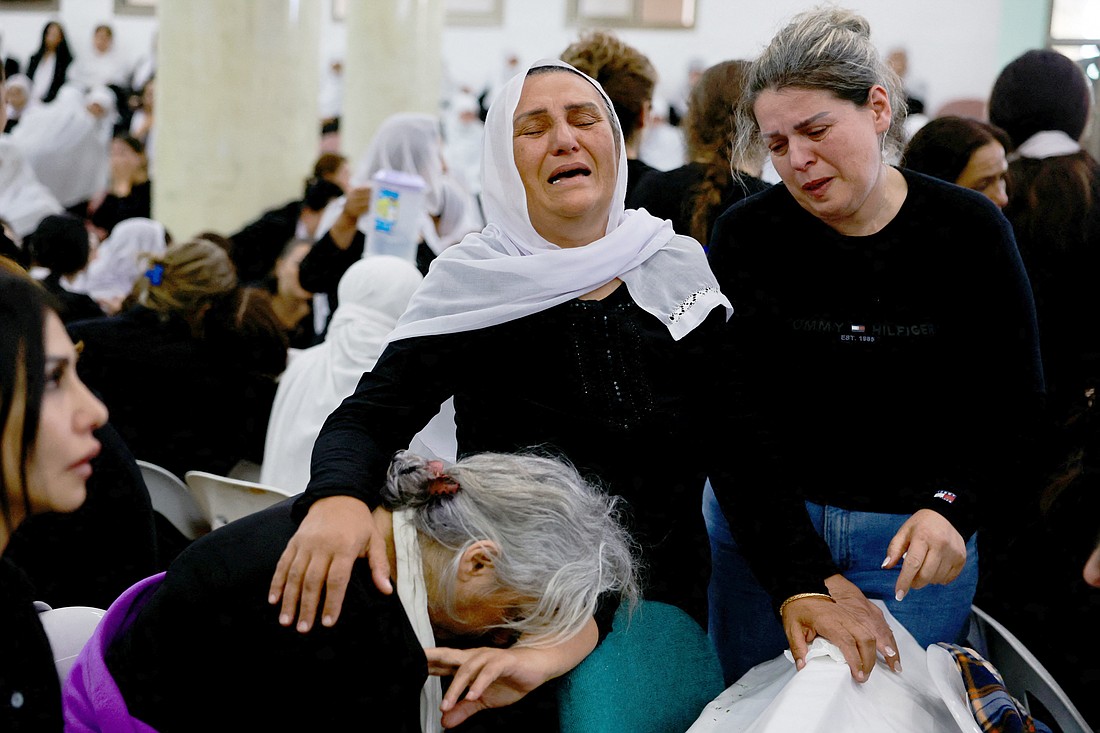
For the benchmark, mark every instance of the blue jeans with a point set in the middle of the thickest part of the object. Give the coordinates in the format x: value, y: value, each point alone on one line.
x: 742, y: 621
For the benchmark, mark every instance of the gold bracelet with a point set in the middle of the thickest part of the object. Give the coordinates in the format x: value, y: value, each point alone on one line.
x: 800, y: 596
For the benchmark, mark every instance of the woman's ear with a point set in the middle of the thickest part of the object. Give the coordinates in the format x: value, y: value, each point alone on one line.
x: 478, y: 560
x: 878, y: 101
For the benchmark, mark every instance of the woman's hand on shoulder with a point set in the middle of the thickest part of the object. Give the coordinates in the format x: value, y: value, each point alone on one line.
x: 930, y: 549
x: 336, y: 531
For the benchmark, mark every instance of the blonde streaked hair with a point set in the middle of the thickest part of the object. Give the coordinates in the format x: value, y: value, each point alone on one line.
x: 188, y: 276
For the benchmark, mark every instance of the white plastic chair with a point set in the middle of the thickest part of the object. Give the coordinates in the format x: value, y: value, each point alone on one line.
x: 68, y: 628
x: 223, y: 499
x: 173, y: 500
x: 1024, y: 675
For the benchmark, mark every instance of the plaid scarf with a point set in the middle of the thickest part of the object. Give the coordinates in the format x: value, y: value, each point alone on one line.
x: 995, y: 710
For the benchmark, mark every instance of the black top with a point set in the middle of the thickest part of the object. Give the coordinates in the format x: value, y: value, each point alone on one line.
x: 88, y: 557
x: 60, y: 71
x: 118, y: 208
x: 320, y: 271
x: 30, y: 693
x: 1061, y: 251
x: 601, y: 382
x: 259, y: 243
x: 671, y: 195
x: 873, y: 372
x: 207, y: 652
x: 636, y: 170
x: 177, y: 401
x: 71, y: 306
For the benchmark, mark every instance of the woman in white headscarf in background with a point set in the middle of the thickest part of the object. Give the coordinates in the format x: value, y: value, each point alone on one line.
x: 18, y: 98
x: 406, y: 143
x: 67, y: 142
x: 121, y: 260
x: 373, y: 295
x: 464, y: 134
x: 24, y: 201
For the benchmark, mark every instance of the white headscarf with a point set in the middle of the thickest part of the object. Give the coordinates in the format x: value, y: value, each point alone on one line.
x: 24, y: 201
x: 408, y: 143
x: 412, y: 590
x: 122, y: 258
x: 372, y: 295
x: 23, y: 82
x: 68, y: 147
x: 508, y: 270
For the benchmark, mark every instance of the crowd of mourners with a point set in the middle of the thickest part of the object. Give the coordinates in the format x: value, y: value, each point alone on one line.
x: 818, y: 362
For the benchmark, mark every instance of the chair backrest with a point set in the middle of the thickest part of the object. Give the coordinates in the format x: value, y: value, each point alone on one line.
x: 68, y: 628
x: 173, y: 500
x: 1025, y: 677
x: 653, y: 673
x: 223, y: 499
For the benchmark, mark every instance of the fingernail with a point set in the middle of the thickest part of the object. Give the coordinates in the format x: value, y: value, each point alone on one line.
x: 890, y: 652
x: 327, y: 621
x: 886, y: 562
x: 284, y: 620
x: 800, y: 663
x: 272, y: 598
x: 861, y: 676
x: 897, y: 667
x: 303, y: 626
x: 899, y: 595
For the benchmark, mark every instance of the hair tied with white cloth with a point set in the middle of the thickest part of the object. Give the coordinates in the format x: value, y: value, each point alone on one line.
x: 1046, y: 144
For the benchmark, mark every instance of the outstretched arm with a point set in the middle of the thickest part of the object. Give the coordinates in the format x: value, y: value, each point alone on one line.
x: 494, y: 678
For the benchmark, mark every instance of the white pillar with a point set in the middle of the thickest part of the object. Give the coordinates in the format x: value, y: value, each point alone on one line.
x: 237, y: 126
x: 393, y: 64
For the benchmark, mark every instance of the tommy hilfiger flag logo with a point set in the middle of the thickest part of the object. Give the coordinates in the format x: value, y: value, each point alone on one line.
x: 946, y: 496
x: 858, y: 329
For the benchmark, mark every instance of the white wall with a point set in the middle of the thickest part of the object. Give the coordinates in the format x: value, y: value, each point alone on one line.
x: 956, y: 47
x: 21, y: 31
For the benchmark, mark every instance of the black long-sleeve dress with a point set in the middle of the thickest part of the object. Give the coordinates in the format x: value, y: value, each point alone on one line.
x: 601, y: 382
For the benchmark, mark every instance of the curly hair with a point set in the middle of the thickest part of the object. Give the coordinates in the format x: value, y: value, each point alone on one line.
x: 623, y: 71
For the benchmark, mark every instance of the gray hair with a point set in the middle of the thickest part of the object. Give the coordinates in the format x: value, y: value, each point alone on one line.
x: 827, y: 49
x: 560, y: 539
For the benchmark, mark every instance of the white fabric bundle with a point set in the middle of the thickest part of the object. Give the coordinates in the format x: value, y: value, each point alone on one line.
x: 823, y: 698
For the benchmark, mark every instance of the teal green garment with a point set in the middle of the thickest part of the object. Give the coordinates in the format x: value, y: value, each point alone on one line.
x: 654, y: 673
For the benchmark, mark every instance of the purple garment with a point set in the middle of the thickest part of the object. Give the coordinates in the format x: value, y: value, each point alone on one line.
x: 91, y: 701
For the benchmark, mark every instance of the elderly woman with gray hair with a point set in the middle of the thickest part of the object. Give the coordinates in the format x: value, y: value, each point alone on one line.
x: 498, y: 549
